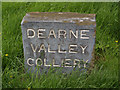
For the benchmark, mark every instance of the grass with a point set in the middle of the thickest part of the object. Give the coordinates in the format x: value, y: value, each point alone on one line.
x: 105, y: 72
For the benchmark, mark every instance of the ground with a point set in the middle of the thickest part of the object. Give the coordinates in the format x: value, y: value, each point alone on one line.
x: 105, y: 71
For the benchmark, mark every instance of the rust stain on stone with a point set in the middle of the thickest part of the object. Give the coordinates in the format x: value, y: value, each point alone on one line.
x: 25, y: 21
x: 94, y: 33
x: 92, y: 62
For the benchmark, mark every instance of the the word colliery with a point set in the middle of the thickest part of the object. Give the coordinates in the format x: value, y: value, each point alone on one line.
x: 64, y: 62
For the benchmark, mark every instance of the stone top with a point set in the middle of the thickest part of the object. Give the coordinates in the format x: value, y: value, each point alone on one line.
x: 65, y: 17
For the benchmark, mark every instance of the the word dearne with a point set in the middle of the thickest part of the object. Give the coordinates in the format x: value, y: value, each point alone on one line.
x: 41, y: 33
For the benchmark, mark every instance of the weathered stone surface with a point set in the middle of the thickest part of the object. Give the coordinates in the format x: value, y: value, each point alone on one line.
x: 58, y: 40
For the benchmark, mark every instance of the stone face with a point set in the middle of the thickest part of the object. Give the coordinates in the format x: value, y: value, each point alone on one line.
x: 57, y: 40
